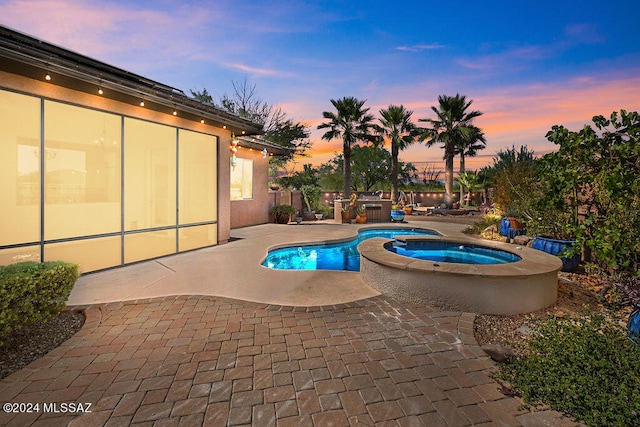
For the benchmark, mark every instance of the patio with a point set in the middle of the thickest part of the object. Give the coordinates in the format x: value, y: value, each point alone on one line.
x: 185, y: 341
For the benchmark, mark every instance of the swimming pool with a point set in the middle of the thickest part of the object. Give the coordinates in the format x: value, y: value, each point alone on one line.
x: 453, y: 252
x: 338, y: 256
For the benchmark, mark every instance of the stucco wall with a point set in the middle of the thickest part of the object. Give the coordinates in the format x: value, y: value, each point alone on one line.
x: 256, y: 210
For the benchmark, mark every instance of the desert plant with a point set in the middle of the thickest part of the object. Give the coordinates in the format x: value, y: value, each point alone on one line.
x: 311, y: 195
x: 585, y: 367
x: 282, y: 211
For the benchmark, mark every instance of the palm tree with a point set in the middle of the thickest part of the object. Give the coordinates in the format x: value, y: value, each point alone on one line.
x: 470, y: 147
x: 467, y: 181
x: 397, y: 126
x: 352, y: 124
x: 453, y: 125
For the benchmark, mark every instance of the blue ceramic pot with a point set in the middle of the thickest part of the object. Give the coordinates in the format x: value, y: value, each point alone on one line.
x: 556, y: 247
x: 397, y: 215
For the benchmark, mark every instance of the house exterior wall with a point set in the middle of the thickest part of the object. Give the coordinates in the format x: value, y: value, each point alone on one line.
x: 256, y: 209
x: 214, y: 228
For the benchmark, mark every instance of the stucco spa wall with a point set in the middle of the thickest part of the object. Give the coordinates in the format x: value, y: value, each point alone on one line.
x: 514, y: 288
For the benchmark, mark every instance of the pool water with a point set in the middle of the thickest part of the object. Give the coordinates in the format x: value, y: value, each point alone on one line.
x: 340, y: 256
x: 453, y: 252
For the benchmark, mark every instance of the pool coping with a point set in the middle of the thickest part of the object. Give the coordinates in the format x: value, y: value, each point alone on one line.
x: 533, y: 262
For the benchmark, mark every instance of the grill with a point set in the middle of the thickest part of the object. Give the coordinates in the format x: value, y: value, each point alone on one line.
x: 373, y: 210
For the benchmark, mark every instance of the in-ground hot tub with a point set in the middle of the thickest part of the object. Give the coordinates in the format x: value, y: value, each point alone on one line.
x: 527, y: 282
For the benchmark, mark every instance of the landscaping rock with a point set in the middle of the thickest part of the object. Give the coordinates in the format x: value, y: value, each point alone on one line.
x: 522, y: 240
x: 497, y: 352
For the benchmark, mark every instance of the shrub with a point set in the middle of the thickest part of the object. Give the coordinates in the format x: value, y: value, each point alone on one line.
x: 585, y: 367
x: 33, y: 292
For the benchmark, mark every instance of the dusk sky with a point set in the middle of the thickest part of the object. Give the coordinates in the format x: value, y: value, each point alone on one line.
x: 526, y: 65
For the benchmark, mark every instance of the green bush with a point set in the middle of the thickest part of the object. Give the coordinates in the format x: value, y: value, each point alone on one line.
x: 585, y: 367
x: 33, y: 292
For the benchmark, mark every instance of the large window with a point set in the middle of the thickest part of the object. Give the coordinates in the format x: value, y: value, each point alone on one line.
x: 242, y: 180
x: 99, y: 189
x: 197, y: 177
x: 149, y: 175
x: 19, y: 169
x: 82, y: 164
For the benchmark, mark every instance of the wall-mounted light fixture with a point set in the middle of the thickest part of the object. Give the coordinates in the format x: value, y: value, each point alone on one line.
x: 234, y: 150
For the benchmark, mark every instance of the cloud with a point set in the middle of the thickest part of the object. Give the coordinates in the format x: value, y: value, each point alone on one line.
x: 421, y: 47
x: 258, y: 71
x: 514, y: 57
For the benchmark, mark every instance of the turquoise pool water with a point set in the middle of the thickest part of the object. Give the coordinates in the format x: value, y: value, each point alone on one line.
x: 453, y: 252
x: 339, y: 256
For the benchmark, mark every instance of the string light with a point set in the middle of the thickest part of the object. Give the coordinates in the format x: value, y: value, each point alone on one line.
x: 47, y: 77
x: 202, y: 121
x: 142, y: 103
x: 100, y: 91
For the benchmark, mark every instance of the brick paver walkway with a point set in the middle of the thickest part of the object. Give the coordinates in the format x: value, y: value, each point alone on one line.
x: 191, y: 361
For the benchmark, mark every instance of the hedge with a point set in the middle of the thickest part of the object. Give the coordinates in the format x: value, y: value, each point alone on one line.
x: 32, y: 292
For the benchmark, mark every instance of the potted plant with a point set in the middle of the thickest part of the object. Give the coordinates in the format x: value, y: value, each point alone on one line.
x: 397, y: 213
x: 361, y: 214
x: 282, y: 213
x: 515, y: 220
x: 311, y: 197
x: 346, y: 214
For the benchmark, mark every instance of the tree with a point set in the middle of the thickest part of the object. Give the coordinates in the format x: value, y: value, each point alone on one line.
x: 244, y: 102
x: 397, y: 126
x: 351, y: 124
x: 370, y: 169
x: 452, y: 126
x: 469, y: 147
x: 294, y: 136
x: 516, y: 182
x: 594, y: 180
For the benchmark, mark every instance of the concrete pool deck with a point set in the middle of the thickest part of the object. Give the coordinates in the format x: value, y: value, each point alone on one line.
x: 164, y: 354
x: 234, y: 271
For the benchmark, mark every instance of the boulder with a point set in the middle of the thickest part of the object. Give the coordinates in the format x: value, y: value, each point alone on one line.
x: 522, y: 240
x: 498, y: 353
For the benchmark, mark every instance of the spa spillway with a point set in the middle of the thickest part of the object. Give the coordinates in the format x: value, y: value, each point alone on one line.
x: 513, y: 280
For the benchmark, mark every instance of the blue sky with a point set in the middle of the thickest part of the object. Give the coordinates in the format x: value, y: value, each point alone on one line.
x: 526, y: 65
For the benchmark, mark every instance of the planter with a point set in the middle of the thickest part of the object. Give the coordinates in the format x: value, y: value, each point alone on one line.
x: 346, y: 216
x: 274, y: 187
x: 397, y: 215
x: 298, y: 219
x: 516, y: 223
x: 407, y: 211
x: 557, y: 247
x: 309, y: 216
x: 318, y: 216
x: 282, y: 219
x: 361, y: 218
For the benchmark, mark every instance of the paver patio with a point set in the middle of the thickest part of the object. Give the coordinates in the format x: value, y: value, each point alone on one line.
x: 215, y: 361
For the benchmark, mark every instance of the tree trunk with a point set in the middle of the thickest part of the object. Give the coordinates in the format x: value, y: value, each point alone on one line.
x: 394, y: 173
x: 448, y: 180
x: 347, y: 171
x: 460, y: 173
